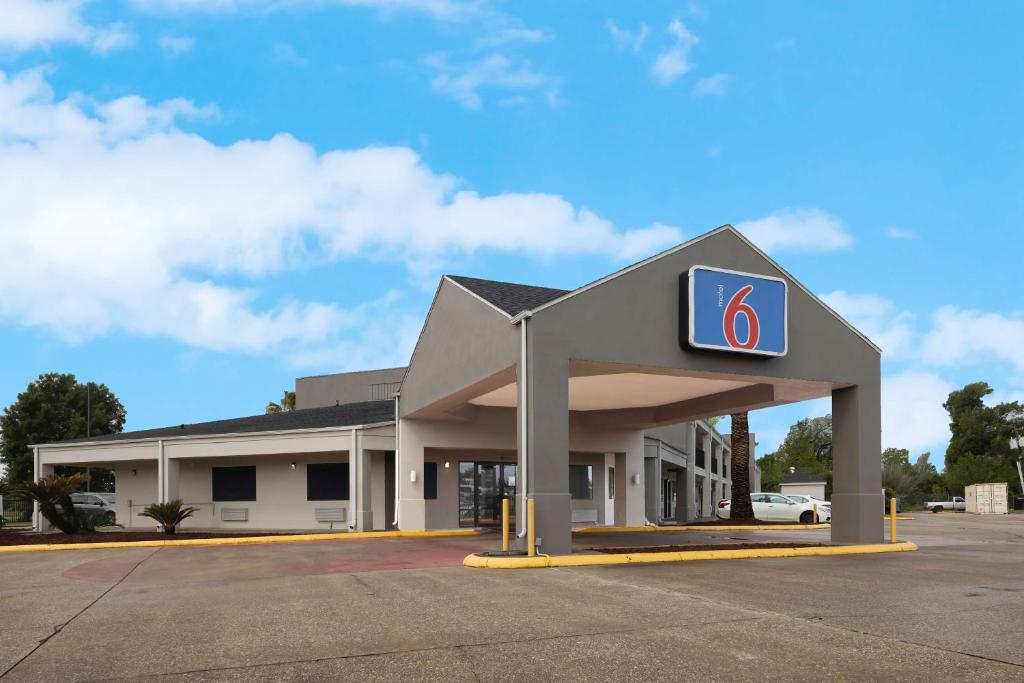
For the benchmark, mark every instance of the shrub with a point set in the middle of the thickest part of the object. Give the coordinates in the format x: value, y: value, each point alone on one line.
x: 168, y: 515
x: 53, y: 493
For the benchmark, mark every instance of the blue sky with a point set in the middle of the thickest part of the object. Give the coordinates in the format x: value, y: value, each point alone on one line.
x: 204, y: 199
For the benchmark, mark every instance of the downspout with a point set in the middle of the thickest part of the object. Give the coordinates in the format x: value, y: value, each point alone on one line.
x: 523, y: 422
x: 398, y: 446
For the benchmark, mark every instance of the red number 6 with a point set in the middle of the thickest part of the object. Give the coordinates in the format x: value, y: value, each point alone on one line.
x: 735, y: 307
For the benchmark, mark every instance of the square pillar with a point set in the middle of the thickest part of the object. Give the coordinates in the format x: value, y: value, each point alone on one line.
x: 684, y: 496
x: 632, y: 461
x: 705, y: 505
x: 412, y: 514
x: 610, y: 485
x: 364, y: 482
x: 856, y: 464
x: 689, y: 491
x: 716, y: 474
x: 547, y: 443
x: 652, y: 488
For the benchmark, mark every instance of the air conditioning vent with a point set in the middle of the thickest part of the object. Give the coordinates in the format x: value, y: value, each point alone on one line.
x: 234, y: 514
x: 330, y: 514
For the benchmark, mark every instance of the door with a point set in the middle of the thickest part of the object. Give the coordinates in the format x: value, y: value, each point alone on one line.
x: 482, y: 485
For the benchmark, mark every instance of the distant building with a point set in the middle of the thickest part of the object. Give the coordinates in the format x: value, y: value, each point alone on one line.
x: 802, y: 482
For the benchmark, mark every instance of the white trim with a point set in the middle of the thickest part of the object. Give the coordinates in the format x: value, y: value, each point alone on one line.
x: 196, y: 437
x: 695, y: 240
x: 524, y: 428
x: 714, y: 347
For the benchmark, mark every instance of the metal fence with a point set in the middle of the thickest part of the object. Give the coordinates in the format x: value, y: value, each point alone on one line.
x: 16, y: 509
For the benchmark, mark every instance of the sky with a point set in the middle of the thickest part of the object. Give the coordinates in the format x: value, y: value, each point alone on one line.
x: 202, y: 199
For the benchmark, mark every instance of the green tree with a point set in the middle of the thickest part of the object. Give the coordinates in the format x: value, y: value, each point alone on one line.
x: 979, y: 447
x: 287, y: 404
x: 808, y: 444
x: 54, y: 408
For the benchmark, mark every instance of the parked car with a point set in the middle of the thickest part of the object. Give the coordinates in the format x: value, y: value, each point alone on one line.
x: 775, y: 507
x: 957, y: 503
x: 94, y: 505
x: 824, y: 507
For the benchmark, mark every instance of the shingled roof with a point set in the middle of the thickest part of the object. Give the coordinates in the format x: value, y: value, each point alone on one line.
x: 349, y: 414
x: 507, y: 296
x: 803, y: 476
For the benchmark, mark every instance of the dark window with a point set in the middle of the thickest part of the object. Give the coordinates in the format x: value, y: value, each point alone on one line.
x: 725, y: 469
x: 714, y: 463
x: 700, y: 458
x: 611, y: 482
x: 327, y: 481
x: 581, y: 481
x: 430, y: 480
x: 234, y: 483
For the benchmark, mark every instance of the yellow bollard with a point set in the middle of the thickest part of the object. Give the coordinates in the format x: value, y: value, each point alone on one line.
x: 892, y: 520
x: 531, y: 529
x: 814, y: 513
x: 504, y: 524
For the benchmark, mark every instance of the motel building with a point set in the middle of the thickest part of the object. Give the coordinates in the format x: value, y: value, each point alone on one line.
x: 592, y: 402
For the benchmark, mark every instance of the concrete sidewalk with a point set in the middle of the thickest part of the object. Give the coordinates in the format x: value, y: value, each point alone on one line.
x: 403, y: 609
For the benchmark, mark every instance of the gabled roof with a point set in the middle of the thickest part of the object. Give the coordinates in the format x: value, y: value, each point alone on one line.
x: 803, y: 476
x: 508, y: 297
x: 349, y: 414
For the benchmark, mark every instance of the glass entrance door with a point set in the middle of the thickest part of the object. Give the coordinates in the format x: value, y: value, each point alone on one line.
x: 482, y: 485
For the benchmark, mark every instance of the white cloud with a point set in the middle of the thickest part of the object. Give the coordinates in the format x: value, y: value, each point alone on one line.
x: 440, y: 9
x: 504, y: 36
x: 463, y: 82
x: 675, y: 61
x: 283, y: 53
x: 30, y: 24
x: 967, y: 337
x: 711, y: 86
x: 901, y: 234
x: 912, y: 412
x: 625, y: 39
x: 878, y: 318
x: 176, y: 45
x: 117, y: 219
x: 805, y: 230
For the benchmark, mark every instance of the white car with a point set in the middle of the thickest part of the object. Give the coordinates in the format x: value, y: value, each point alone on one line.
x: 824, y: 507
x: 775, y: 507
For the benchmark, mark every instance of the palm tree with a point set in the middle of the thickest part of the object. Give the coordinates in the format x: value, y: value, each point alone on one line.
x: 168, y: 515
x: 740, y: 507
x: 287, y: 404
x: 53, y: 493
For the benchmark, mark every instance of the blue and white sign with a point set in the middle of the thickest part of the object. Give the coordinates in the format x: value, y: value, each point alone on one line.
x: 739, y: 312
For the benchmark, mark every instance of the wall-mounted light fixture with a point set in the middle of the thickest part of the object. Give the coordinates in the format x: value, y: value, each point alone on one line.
x: 134, y: 472
x: 636, y: 479
x: 447, y: 464
x: 293, y: 466
x: 412, y: 476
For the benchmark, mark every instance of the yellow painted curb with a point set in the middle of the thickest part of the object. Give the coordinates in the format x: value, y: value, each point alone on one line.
x: 540, y: 561
x: 726, y: 527
x: 899, y: 517
x: 240, y: 540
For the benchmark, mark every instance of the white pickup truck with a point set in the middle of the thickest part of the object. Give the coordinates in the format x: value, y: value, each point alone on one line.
x: 939, y: 505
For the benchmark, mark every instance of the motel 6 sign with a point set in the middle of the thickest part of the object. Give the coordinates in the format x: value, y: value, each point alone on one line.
x: 736, y: 312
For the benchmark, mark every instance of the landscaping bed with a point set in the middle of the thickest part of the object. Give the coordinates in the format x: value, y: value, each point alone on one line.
x: 629, y: 550
x: 16, y: 537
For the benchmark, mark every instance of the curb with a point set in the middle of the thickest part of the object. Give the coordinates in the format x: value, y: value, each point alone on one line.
x: 240, y: 540
x: 723, y: 527
x: 899, y: 517
x: 540, y: 561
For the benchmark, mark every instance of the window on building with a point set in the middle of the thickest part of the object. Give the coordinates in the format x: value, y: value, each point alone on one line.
x: 234, y: 483
x: 327, y: 481
x: 725, y: 469
x: 581, y: 481
x: 611, y: 482
x: 430, y: 480
x: 700, y: 458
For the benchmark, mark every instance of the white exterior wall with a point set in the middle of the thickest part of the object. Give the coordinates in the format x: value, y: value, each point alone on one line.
x: 136, y: 487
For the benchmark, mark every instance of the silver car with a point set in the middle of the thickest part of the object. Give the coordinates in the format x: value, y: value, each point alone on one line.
x: 96, y: 506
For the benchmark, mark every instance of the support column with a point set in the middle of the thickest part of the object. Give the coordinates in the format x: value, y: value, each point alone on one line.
x: 706, y: 508
x: 364, y: 515
x: 547, y: 445
x: 36, y: 473
x: 683, y: 496
x: 609, y: 501
x: 856, y: 464
x: 652, y: 488
x: 636, y: 482
x: 690, y: 490
x: 412, y: 511
x: 716, y: 474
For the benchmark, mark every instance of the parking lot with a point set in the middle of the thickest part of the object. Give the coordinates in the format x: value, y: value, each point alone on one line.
x: 406, y: 609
